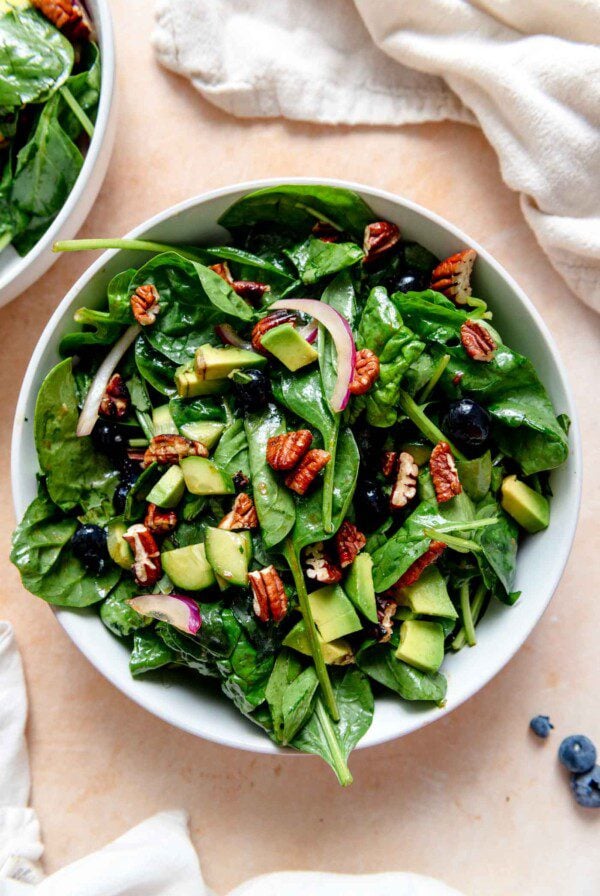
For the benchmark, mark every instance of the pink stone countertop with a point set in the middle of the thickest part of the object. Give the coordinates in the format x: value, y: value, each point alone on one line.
x: 473, y: 799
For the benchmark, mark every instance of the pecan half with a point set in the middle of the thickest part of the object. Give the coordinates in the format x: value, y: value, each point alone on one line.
x: 68, y: 15
x: 242, y: 516
x: 379, y: 237
x: 269, y: 597
x: 145, y: 304
x: 414, y: 571
x: 386, y: 610
x: 115, y: 401
x: 307, y: 471
x: 349, y: 541
x: 320, y: 566
x: 452, y: 277
x: 288, y: 449
x: 170, y: 449
x: 389, y: 463
x: 443, y: 473
x: 477, y: 341
x: 275, y: 319
x: 159, y: 521
x: 405, y: 487
x: 326, y: 232
x: 246, y: 289
x: 146, y: 567
x: 222, y: 269
x: 366, y: 371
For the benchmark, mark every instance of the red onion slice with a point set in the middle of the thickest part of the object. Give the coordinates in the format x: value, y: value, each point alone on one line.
x: 178, y: 610
x: 89, y: 412
x: 228, y: 336
x: 339, y: 330
x: 309, y: 331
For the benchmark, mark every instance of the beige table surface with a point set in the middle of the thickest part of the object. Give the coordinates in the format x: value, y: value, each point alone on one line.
x: 473, y: 799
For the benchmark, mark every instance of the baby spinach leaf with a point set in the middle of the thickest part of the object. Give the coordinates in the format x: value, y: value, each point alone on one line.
x: 231, y: 454
x: 334, y: 741
x: 149, y: 653
x: 274, y: 502
x: 76, y: 474
x: 222, y: 296
x: 379, y: 663
x: 35, y: 58
x: 287, y: 667
x: 407, y: 544
x: 247, y: 266
x: 297, y: 703
x: 194, y: 410
x: 117, y: 615
x: 101, y: 329
x: 119, y: 296
x: 245, y: 675
x: 135, y: 503
x: 155, y: 368
x: 499, y: 547
x: 315, y: 258
x: 187, y: 651
x: 302, y: 394
x: 300, y: 206
x: 41, y: 551
x: 476, y: 475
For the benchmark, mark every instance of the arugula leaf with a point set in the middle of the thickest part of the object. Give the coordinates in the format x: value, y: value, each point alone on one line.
x: 76, y: 474
x: 299, y: 206
x: 334, y: 741
x: 149, y: 653
x: 274, y: 503
x: 315, y: 258
x: 35, y: 58
x: 41, y: 551
x: 379, y: 662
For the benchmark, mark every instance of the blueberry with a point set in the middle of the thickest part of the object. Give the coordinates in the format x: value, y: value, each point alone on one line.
x: 89, y: 546
x: 409, y: 280
x: 130, y: 472
x: 108, y: 439
x: 370, y: 441
x: 252, y: 390
x: 586, y: 788
x: 541, y: 725
x: 120, y: 496
x: 468, y: 425
x: 370, y: 504
x: 577, y: 753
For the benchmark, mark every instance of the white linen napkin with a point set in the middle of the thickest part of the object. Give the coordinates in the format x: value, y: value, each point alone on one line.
x: 527, y: 73
x: 155, y: 858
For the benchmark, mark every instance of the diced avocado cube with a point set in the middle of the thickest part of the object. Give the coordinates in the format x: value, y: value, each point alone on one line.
x: 162, y: 421
x: 229, y: 554
x: 118, y: 549
x: 206, y: 431
x: 359, y: 586
x: 335, y: 653
x: 429, y: 596
x: 188, y: 567
x: 421, y: 644
x: 403, y: 613
x: 190, y: 385
x: 203, y: 477
x: 169, y: 489
x: 287, y: 345
x: 333, y: 613
x: 419, y: 453
x: 530, y: 509
x: 212, y: 363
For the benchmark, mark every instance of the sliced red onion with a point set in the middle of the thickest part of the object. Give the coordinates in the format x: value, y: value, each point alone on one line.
x: 309, y: 331
x: 339, y: 330
x: 178, y: 610
x: 89, y: 412
x: 228, y: 336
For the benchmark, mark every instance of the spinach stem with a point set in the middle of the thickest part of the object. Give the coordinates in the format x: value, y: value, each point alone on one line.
x: 77, y: 111
x: 340, y: 764
x: 113, y: 243
x: 467, y: 526
x: 475, y: 608
x: 467, y: 616
x: 462, y: 545
x: 328, y: 479
x: 435, y: 378
x: 311, y: 630
x: 145, y: 423
x: 417, y: 416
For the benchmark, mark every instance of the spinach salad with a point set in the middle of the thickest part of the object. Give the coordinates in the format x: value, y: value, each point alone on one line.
x: 49, y: 92
x: 299, y: 464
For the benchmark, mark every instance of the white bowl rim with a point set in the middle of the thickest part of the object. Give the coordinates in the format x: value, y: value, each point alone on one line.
x: 417, y: 721
x: 107, y: 91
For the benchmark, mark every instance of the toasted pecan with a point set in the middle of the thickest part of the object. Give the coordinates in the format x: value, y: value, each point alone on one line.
x: 68, y: 15
x: 285, y: 451
x: 159, y: 521
x: 444, y: 474
x: 146, y: 567
x: 145, y: 304
x: 405, y: 486
x: 170, y: 449
x: 115, y: 401
x: 379, y: 237
x: 349, y: 541
x: 269, y: 598
x: 416, y: 569
x: 366, y: 371
x: 307, y: 471
x: 477, y: 341
x: 242, y: 516
x: 269, y: 322
x: 320, y: 566
x: 452, y: 276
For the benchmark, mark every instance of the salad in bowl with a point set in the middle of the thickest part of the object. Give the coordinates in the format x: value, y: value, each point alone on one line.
x: 299, y: 463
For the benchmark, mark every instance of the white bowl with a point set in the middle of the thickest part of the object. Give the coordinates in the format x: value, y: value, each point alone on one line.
x: 197, y: 707
x: 16, y: 272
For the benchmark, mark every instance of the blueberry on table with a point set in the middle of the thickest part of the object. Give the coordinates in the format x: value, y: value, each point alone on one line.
x: 541, y: 726
x: 468, y: 425
x: 108, y: 439
x: 89, y: 546
x: 586, y: 788
x: 120, y: 496
x: 370, y: 504
x: 577, y: 753
x: 252, y: 390
x: 409, y: 280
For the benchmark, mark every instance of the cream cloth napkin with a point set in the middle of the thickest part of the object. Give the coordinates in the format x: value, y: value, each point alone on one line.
x: 155, y: 858
x: 527, y: 72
